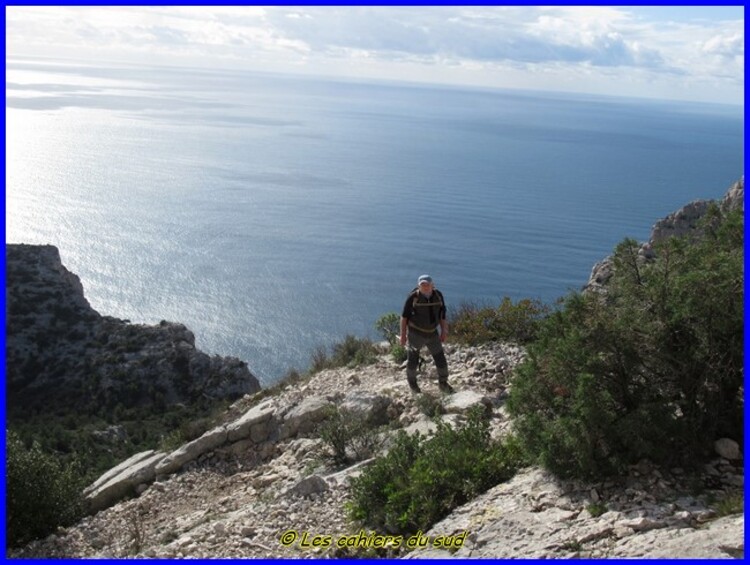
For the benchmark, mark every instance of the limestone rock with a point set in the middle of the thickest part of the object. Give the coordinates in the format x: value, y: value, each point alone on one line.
x: 192, y: 450
x: 679, y: 223
x: 303, y: 418
x: 735, y: 197
x: 310, y: 485
x: 254, y: 418
x: 728, y: 449
x: 721, y: 538
x: 464, y: 400
x: 237, y: 506
x: 114, y: 485
x: 373, y: 407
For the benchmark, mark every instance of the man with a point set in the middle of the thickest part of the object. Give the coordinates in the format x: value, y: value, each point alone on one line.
x: 423, y: 314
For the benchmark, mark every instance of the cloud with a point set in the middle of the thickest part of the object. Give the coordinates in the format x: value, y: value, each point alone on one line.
x: 725, y: 45
x: 398, y: 42
x: 456, y: 35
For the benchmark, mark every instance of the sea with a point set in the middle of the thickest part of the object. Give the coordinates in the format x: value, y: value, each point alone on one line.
x: 273, y: 215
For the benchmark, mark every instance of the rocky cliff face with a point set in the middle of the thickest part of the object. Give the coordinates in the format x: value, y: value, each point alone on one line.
x: 682, y: 222
x: 59, y: 351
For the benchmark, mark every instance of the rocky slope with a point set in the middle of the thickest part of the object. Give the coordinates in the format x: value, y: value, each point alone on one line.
x: 238, y: 497
x: 61, y: 352
x: 261, y: 476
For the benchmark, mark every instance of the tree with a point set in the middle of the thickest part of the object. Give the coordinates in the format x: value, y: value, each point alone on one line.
x: 651, y: 368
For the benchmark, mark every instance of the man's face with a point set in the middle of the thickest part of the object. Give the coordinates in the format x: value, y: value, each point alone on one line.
x: 425, y: 288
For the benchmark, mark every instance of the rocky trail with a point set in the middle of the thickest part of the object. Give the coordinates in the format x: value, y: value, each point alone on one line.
x: 274, y: 493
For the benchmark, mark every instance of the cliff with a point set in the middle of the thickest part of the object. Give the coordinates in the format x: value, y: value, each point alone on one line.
x: 62, y: 353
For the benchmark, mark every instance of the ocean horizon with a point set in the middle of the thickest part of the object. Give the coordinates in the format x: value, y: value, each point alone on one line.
x: 275, y: 214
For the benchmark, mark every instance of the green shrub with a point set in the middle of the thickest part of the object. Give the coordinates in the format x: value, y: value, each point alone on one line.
x: 398, y: 352
x: 473, y: 325
x: 347, y: 432
x: 352, y: 352
x: 42, y: 493
x: 652, y: 368
x: 421, y: 480
x: 171, y: 441
x: 430, y: 405
x: 596, y: 509
x: 731, y: 504
x: 389, y: 326
x: 320, y: 360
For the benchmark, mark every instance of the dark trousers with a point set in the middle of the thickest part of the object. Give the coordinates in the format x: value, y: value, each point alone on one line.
x: 418, y: 340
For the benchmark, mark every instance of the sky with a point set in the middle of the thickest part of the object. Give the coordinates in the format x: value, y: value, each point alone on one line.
x: 693, y: 53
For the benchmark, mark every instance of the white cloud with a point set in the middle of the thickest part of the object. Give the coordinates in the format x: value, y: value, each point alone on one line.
x: 726, y: 45
x: 597, y: 48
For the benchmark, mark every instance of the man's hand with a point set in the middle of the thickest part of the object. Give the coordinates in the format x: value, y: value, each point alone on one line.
x: 403, y: 340
x: 443, y: 330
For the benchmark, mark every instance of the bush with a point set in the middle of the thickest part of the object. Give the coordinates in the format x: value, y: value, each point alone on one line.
x: 398, y: 352
x: 42, y: 493
x: 389, y: 326
x: 420, y: 481
x: 352, y: 352
x: 348, y: 432
x: 473, y: 325
x: 430, y: 405
x: 652, y: 368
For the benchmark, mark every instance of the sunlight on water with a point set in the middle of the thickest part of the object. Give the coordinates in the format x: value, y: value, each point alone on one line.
x: 273, y: 214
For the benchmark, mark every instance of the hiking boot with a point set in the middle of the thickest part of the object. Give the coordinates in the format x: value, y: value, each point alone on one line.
x: 446, y: 388
x: 415, y: 388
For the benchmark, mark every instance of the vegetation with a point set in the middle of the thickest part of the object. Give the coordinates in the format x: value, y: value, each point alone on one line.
x: 430, y: 405
x: 42, y: 493
x: 352, y: 352
x: 349, y: 435
x: 651, y: 368
x: 421, y: 480
x: 68, y: 434
x: 389, y: 326
x: 730, y: 505
x: 517, y: 322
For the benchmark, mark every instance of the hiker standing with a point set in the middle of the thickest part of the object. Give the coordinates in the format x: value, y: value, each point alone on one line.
x: 423, y: 314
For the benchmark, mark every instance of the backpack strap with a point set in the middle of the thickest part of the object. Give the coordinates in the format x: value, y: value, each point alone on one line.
x: 415, y: 296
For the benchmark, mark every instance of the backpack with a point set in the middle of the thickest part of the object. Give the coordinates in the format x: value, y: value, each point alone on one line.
x: 415, y: 294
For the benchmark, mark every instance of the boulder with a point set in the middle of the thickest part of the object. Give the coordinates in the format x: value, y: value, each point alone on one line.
x: 373, y: 407
x: 728, y: 449
x: 122, y: 480
x: 192, y: 450
x: 464, y: 400
x: 303, y: 418
x: 314, y: 484
x: 253, y: 419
